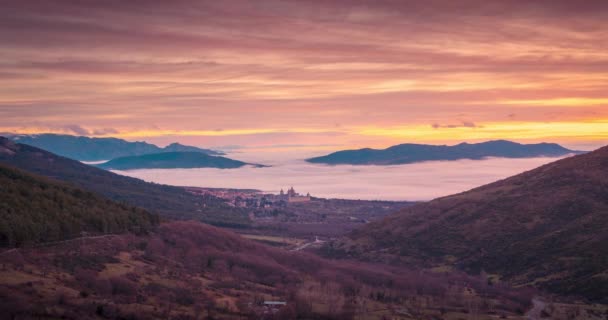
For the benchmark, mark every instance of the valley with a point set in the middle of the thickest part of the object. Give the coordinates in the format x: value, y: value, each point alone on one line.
x: 278, y: 221
x: 304, y: 160
x: 297, y: 256
x: 192, y: 271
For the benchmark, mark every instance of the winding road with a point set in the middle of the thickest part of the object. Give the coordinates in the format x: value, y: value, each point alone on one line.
x: 307, y: 244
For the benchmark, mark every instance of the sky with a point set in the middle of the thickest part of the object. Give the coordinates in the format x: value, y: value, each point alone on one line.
x: 300, y: 75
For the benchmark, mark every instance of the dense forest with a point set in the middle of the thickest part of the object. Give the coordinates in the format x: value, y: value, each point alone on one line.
x: 168, y: 201
x: 35, y: 209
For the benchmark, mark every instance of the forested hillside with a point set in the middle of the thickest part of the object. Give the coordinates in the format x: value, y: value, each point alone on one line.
x: 35, y: 209
x: 546, y: 227
x: 169, y: 201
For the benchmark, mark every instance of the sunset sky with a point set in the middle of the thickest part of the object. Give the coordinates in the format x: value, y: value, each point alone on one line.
x: 307, y: 74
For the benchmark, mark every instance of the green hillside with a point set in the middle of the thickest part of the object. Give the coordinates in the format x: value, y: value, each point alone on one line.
x: 35, y: 209
x: 169, y: 201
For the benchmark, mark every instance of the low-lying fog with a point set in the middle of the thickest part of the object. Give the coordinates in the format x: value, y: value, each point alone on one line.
x: 420, y: 181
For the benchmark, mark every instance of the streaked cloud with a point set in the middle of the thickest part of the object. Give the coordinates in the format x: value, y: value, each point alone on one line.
x: 565, y: 102
x: 290, y: 71
x: 461, y: 124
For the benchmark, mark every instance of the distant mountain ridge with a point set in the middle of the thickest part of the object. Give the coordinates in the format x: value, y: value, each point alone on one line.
x: 547, y: 227
x: 95, y: 149
x: 412, y: 153
x: 168, y: 201
x: 172, y: 160
x: 178, y: 147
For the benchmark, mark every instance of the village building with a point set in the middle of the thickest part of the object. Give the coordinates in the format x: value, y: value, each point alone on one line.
x: 273, y: 306
x: 292, y: 196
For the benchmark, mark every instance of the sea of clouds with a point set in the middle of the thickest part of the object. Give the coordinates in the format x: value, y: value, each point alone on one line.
x: 419, y: 181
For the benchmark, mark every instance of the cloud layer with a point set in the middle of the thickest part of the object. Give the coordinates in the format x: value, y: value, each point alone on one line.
x: 421, y: 181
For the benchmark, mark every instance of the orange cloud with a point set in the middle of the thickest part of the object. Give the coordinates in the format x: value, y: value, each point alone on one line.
x: 374, y: 72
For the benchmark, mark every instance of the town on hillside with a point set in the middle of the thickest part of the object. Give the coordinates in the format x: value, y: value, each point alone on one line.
x: 296, y: 215
x: 247, y: 198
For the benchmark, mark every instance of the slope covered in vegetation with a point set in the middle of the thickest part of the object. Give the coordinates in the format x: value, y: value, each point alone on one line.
x: 169, y: 201
x: 547, y: 227
x: 187, y: 270
x: 35, y: 209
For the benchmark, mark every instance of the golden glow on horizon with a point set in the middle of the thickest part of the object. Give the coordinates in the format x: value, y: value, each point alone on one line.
x: 562, y: 102
x: 596, y: 130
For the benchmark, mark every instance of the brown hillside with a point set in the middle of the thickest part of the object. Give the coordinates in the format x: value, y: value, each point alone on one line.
x: 187, y: 270
x: 547, y: 226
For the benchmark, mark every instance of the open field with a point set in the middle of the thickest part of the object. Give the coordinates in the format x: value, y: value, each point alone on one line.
x: 275, y: 241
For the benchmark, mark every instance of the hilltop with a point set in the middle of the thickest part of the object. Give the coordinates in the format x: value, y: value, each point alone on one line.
x: 545, y: 227
x: 96, y: 149
x: 412, y: 153
x: 168, y: 201
x: 171, y: 160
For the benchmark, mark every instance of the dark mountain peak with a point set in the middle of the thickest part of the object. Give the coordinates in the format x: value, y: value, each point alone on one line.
x: 539, y: 146
x: 409, y: 145
x: 178, y: 147
x: 175, y: 144
x: 498, y: 142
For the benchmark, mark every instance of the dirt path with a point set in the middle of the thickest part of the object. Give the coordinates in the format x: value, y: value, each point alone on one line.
x: 303, y: 246
x: 8, y: 251
x: 538, y: 305
x: 307, y: 244
x: 46, y: 244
